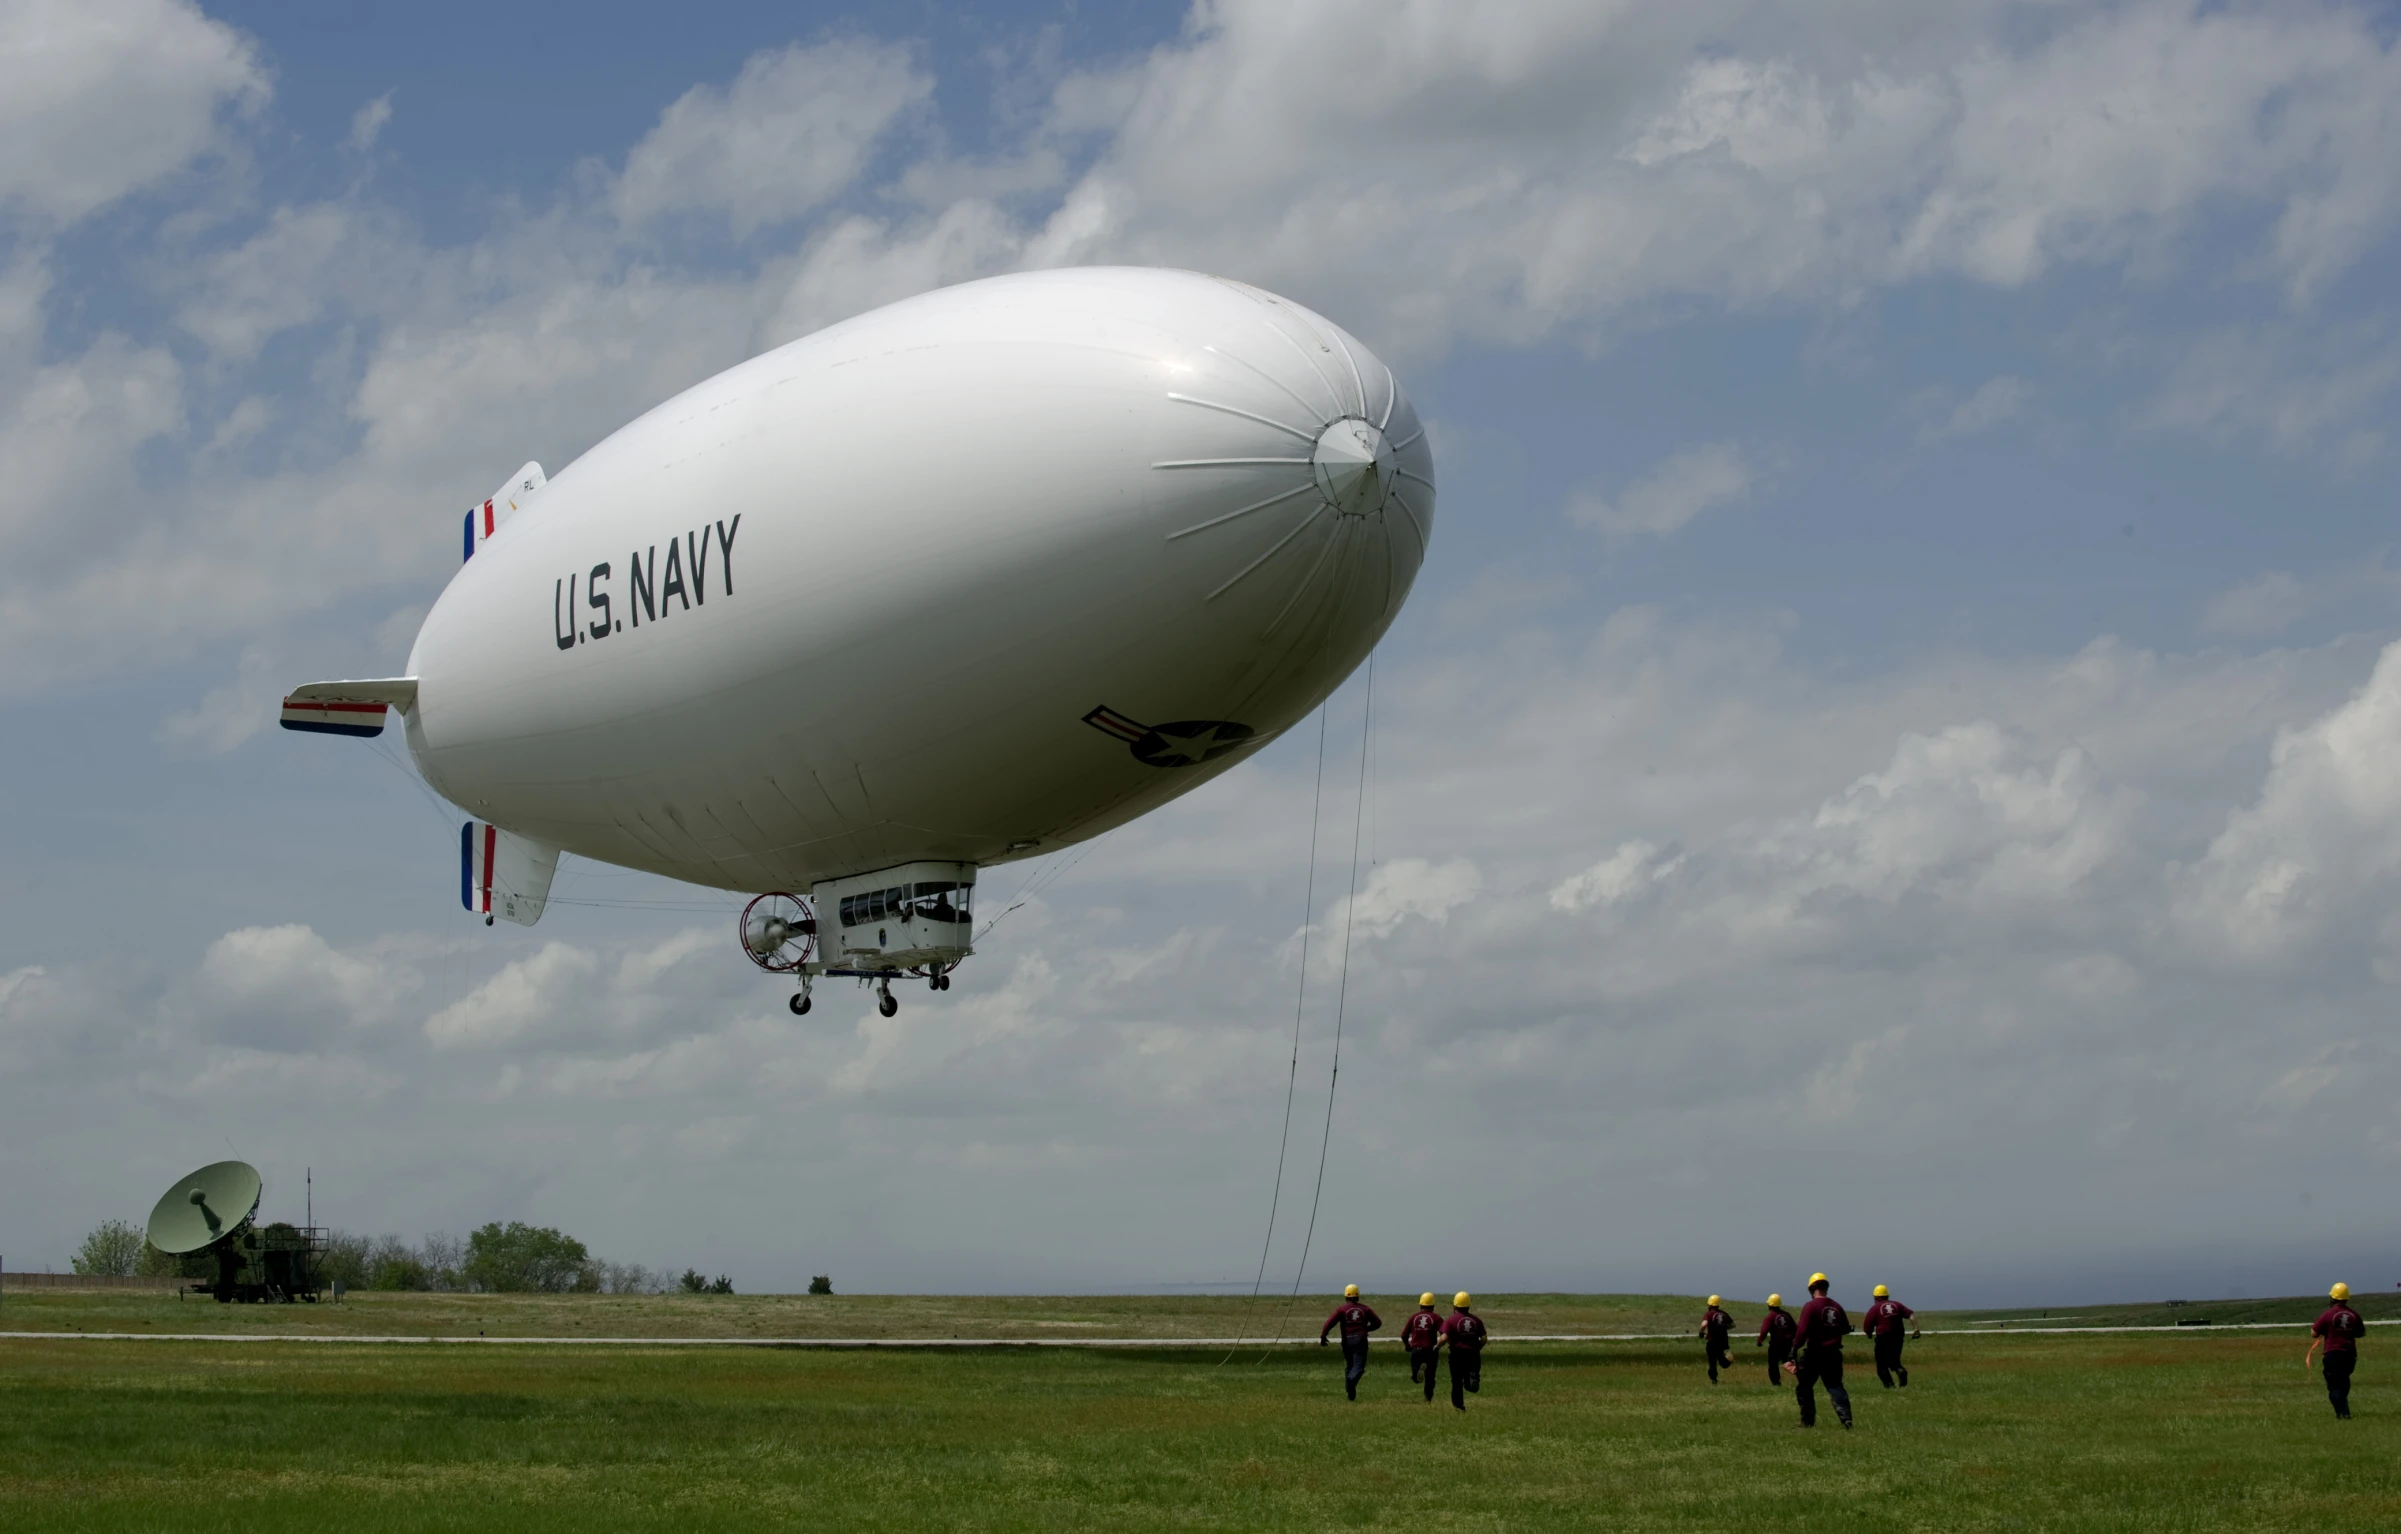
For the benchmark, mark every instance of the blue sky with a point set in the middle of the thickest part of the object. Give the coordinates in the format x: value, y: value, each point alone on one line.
x: 1895, y: 693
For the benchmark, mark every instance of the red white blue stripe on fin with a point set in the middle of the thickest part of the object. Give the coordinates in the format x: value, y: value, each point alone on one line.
x: 348, y: 708
x: 335, y: 718
x: 484, y: 520
x: 503, y: 874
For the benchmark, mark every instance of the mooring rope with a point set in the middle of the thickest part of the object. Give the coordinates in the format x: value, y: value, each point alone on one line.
x: 1293, y: 1073
x: 1350, y: 906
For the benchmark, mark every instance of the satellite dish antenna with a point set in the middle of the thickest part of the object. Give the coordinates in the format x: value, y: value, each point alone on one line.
x: 205, y: 1208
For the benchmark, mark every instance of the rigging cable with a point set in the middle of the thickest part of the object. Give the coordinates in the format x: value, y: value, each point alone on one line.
x: 1292, y: 1078
x: 1350, y: 908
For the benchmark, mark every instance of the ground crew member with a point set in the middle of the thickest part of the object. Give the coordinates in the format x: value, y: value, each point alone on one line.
x: 1465, y: 1334
x: 1421, y: 1334
x: 1885, y: 1325
x: 1356, y: 1321
x: 1716, y: 1327
x: 1820, y: 1327
x: 1776, y: 1330
x: 2338, y: 1331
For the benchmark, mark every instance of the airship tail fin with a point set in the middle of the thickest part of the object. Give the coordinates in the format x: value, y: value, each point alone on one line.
x: 504, y: 874
x: 348, y: 708
x: 484, y: 520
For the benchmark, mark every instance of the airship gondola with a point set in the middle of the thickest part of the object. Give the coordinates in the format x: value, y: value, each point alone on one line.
x: 963, y: 580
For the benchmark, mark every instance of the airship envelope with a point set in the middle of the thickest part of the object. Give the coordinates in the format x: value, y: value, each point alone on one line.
x: 968, y: 578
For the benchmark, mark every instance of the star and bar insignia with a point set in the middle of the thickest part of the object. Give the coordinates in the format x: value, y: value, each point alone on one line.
x: 1184, y: 743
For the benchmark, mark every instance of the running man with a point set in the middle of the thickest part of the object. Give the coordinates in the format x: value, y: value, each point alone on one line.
x: 1885, y: 1326
x: 1421, y: 1335
x: 1821, y: 1324
x: 2338, y: 1331
x: 1465, y: 1334
x: 1776, y: 1329
x: 1716, y: 1328
x: 1356, y: 1321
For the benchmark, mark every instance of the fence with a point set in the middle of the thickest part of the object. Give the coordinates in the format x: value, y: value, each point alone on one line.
x: 163, y: 1283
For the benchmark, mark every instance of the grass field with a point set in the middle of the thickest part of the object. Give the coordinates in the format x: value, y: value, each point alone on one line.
x: 2164, y: 1431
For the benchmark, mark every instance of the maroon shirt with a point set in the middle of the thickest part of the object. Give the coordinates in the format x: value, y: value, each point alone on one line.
x: 1463, y: 1332
x: 1778, y: 1327
x: 1885, y: 1316
x: 1421, y: 1332
x: 1822, y: 1322
x: 1355, y: 1319
x: 1715, y: 1324
x: 2341, y: 1327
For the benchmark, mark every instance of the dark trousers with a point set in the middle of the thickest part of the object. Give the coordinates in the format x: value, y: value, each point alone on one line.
x: 1719, y: 1358
x: 1888, y: 1358
x: 1354, y: 1364
x: 1777, y: 1352
x: 1424, y: 1365
x: 1467, y: 1372
x: 2338, y: 1380
x: 1821, y: 1364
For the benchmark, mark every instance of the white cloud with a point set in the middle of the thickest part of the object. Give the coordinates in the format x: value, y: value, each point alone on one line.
x: 2302, y: 388
x: 1633, y: 868
x: 2267, y: 603
x: 2320, y: 846
x: 1996, y: 400
x: 367, y: 124
x: 286, y: 989
x: 1670, y: 494
x: 1401, y: 889
x: 527, y: 997
x: 68, y: 434
x: 232, y: 712
x: 1507, y: 172
x: 2275, y: 600
x: 1967, y: 812
x: 794, y: 129
x: 97, y: 101
x: 285, y: 275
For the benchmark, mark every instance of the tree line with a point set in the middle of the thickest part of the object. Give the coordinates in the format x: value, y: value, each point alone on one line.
x: 510, y: 1258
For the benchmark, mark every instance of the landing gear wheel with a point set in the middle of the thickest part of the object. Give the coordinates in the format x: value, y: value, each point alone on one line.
x: 942, y: 983
x: 885, y: 1001
x: 800, y: 1005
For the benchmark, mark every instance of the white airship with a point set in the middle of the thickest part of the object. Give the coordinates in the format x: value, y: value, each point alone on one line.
x: 960, y: 581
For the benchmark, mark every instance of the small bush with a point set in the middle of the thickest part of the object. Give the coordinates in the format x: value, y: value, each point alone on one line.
x: 625, y: 1278
x: 517, y: 1257
x: 692, y: 1282
x: 112, y: 1250
x: 723, y: 1285
x: 157, y: 1264
x: 821, y: 1285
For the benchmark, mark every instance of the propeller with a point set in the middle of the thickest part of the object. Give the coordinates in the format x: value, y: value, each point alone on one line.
x: 779, y: 932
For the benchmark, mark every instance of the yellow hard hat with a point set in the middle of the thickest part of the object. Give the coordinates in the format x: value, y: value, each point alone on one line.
x: 2339, y: 1292
x: 1425, y: 1301
x: 1816, y: 1279
x: 1881, y: 1292
x: 1463, y: 1301
x: 1776, y: 1300
x: 1350, y: 1291
x: 1713, y: 1299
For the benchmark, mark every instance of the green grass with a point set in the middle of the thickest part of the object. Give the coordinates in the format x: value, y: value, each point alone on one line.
x: 2171, y: 1431
x: 1027, y: 1316
x: 796, y: 1315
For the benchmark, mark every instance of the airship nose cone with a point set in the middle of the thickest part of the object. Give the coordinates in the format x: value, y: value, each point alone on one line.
x: 1353, y: 464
